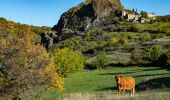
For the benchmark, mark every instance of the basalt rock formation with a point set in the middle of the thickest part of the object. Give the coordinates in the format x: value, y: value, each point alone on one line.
x: 87, y: 15
x: 91, y: 13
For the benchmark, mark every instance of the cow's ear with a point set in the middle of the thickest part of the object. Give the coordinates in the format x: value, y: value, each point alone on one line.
x: 120, y: 76
x: 113, y: 76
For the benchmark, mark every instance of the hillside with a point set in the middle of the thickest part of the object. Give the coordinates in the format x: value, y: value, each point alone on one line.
x: 9, y: 27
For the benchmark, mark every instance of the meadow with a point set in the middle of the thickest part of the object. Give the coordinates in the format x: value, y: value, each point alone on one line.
x: 151, y: 82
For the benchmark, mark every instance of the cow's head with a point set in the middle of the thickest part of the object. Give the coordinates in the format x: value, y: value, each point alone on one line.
x: 117, y: 77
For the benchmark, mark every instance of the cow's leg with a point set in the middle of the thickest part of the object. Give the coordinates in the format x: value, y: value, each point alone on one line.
x: 123, y: 91
x: 119, y: 91
x: 132, y: 91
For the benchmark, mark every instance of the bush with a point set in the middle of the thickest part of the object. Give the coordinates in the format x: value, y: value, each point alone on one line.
x: 164, y: 59
x: 112, y: 42
x: 101, y: 44
x: 137, y: 55
x: 134, y: 28
x: 145, y: 37
x: 168, y: 55
x: 68, y: 61
x: 24, y: 67
x: 153, y: 53
x: 157, y: 36
x: 123, y: 41
x: 101, y: 61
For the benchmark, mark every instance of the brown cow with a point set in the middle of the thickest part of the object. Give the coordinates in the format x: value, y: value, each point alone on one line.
x: 124, y: 84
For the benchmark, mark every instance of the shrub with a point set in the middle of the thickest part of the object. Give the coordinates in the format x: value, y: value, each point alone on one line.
x: 156, y: 36
x: 93, y: 34
x: 168, y: 55
x: 101, y: 44
x: 137, y: 55
x: 162, y: 61
x: 23, y: 67
x: 112, y: 42
x: 145, y: 37
x: 134, y: 28
x: 131, y: 36
x: 123, y: 41
x: 153, y: 53
x: 101, y: 61
x: 68, y: 61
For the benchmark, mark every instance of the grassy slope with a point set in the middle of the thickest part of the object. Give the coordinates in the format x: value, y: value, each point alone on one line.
x: 94, y: 83
x: 102, y: 80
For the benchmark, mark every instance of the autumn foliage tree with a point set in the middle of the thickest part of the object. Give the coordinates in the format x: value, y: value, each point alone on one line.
x: 137, y: 55
x: 153, y: 53
x: 68, y: 61
x: 25, y: 66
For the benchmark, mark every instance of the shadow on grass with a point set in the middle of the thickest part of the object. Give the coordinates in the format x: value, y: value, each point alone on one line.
x: 153, y: 84
x: 107, y: 88
x: 151, y: 75
x: 122, y: 65
x: 121, y: 73
x: 167, y: 67
x: 134, y: 71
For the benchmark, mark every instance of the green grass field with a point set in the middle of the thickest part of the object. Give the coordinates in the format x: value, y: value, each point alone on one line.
x: 101, y: 82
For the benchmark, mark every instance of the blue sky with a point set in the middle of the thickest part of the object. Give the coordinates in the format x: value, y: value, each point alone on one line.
x: 47, y: 12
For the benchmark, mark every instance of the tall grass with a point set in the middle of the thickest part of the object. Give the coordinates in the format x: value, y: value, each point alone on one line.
x: 150, y: 95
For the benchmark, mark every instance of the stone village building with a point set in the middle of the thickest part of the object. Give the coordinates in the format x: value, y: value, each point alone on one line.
x: 132, y: 17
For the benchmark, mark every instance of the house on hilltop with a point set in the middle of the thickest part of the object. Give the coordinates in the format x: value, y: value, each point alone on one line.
x: 131, y: 16
x: 152, y: 15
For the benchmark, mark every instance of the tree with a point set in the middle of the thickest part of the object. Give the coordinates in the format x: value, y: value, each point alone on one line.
x: 25, y: 67
x: 144, y: 14
x: 137, y: 55
x: 133, y: 10
x: 101, y: 61
x: 153, y: 53
x: 136, y: 11
x: 164, y: 59
x: 68, y: 61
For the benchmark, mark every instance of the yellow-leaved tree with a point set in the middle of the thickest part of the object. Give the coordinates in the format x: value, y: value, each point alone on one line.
x: 68, y: 61
x: 25, y: 66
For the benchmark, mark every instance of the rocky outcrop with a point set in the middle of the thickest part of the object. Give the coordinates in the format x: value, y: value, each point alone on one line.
x: 87, y: 15
x: 48, y: 38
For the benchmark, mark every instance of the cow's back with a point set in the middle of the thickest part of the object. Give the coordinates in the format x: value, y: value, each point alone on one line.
x: 128, y: 83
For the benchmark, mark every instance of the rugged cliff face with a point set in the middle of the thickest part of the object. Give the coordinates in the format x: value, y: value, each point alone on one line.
x: 88, y: 14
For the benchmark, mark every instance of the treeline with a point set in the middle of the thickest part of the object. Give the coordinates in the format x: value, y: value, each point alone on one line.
x: 163, y: 18
x: 10, y: 27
